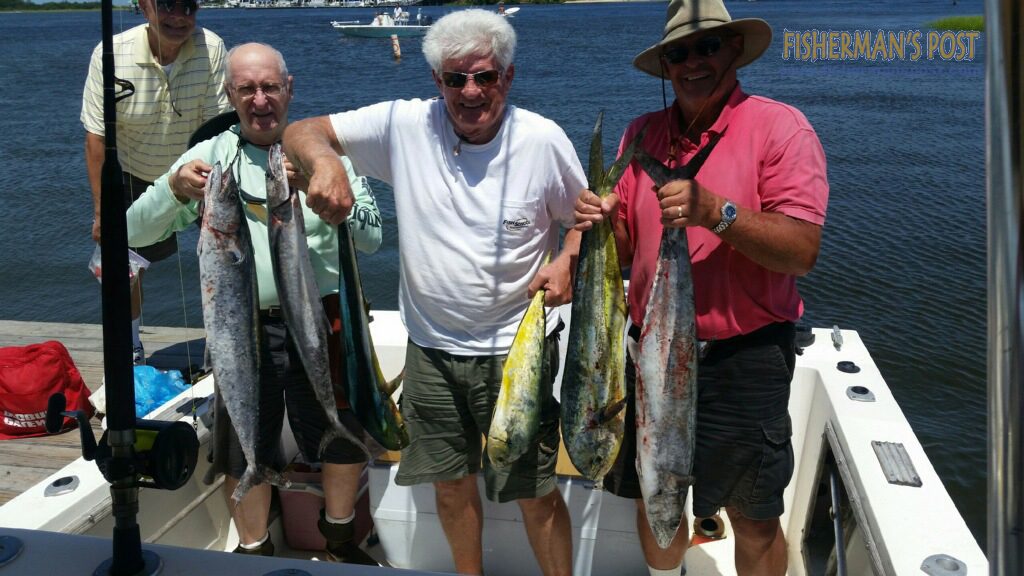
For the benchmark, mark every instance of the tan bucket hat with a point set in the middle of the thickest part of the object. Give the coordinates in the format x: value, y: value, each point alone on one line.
x: 686, y: 17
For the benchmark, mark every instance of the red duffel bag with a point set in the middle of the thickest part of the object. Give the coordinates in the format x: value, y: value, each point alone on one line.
x: 28, y: 376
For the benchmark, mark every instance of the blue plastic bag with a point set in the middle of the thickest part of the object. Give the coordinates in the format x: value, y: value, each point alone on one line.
x: 155, y: 387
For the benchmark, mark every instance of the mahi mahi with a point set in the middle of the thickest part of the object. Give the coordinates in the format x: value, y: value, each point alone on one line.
x: 299, y: 294
x: 593, y: 383
x: 228, y: 279
x: 369, y: 393
x: 516, y: 418
x: 666, y: 383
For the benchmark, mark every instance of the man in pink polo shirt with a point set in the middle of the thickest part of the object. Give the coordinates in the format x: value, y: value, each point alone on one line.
x: 753, y: 218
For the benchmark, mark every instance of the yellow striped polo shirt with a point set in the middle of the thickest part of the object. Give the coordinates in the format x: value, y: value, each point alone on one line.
x: 154, y: 123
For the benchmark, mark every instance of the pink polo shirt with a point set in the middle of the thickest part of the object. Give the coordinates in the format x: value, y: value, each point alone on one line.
x: 768, y: 160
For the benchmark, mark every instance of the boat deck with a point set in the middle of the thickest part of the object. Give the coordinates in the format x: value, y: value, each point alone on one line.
x: 25, y: 462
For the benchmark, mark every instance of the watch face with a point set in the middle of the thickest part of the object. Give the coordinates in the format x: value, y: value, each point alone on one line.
x: 729, y: 212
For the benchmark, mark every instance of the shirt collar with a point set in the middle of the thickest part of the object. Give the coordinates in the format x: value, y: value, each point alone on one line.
x: 680, y: 142
x: 144, y: 56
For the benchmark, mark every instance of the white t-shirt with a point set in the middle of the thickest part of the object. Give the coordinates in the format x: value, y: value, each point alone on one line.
x: 474, y: 221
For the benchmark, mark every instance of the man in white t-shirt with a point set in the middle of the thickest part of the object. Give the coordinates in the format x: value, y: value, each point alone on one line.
x: 481, y: 189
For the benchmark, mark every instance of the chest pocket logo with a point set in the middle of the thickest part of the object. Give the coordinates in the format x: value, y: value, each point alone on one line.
x: 518, y: 222
x: 516, y: 225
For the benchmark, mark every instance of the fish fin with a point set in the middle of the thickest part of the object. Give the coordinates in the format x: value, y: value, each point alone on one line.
x: 658, y: 172
x: 596, y: 167
x: 610, y: 411
x: 340, y: 431
x: 392, y: 385
x: 274, y: 477
x: 693, y: 166
x: 619, y: 166
x: 249, y: 478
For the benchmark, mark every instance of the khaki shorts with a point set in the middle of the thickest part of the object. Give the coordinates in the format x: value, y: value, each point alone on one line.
x: 447, y: 402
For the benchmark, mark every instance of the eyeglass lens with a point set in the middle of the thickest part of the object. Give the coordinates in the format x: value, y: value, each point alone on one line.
x: 706, y: 46
x: 459, y: 79
x: 190, y: 6
x: 249, y: 90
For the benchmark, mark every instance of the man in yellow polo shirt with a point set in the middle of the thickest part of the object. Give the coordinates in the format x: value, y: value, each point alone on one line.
x: 177, y: 71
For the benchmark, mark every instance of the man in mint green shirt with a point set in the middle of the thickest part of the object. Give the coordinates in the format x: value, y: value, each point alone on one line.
x: 260, y: 89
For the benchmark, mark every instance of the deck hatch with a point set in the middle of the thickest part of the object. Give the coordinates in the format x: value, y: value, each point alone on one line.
x: 10, y: 547
x: 62, y: 485
x: 896, y: 463
x: 943, y: 565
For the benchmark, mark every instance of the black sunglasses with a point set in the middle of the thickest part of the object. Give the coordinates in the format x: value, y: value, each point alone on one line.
x: 168, y: 6
x: 459, y: 79
x: 706, y: 46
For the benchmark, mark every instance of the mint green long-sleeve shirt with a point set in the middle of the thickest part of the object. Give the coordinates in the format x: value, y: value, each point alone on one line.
x: 158, y: 213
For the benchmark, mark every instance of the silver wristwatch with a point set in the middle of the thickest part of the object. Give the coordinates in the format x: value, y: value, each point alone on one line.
x: 728, y: 217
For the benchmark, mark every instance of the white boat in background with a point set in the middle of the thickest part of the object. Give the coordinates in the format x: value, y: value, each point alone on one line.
x: 894, y: 513
x: 385, y: 25
x: 509, y: 12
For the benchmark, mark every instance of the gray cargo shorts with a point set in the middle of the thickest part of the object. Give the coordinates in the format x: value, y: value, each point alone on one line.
x: 447, y: 403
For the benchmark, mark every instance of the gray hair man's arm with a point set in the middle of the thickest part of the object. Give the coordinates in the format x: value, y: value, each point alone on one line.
x: 313, y: 148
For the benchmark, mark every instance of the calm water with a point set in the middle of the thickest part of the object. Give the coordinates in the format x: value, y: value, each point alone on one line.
x: 903, y: 255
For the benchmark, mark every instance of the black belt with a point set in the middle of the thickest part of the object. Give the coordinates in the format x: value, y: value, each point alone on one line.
x: 763, y: 335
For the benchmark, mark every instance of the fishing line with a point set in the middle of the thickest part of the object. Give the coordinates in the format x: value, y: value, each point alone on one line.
x: 191, y: 377
x: 672, y: 152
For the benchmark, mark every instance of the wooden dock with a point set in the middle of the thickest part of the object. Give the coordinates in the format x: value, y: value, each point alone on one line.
x: 25, y: 462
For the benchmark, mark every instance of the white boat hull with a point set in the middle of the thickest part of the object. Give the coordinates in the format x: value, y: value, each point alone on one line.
x: 893, y: 529
x: 382, y: 26
x: 382, y: 31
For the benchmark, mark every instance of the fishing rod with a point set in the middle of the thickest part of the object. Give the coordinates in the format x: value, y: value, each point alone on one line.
x: 132, y: 453
x: 118, y: 373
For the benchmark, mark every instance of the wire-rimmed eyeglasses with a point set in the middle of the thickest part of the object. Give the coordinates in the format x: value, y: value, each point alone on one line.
x: 248, y: 91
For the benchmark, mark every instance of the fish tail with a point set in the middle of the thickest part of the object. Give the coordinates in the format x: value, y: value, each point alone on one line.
x: 329, y: 436
x: 340, y: 431
x: 389, y: 388
x: 251, y: 477
x: 664, y: 515
x: 274, y: 477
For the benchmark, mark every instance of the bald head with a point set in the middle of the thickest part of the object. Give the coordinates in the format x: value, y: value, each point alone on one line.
x: 254, y: 52
x: 260, y: 89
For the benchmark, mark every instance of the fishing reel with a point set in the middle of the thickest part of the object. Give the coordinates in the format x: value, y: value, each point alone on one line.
x: 165, y: 453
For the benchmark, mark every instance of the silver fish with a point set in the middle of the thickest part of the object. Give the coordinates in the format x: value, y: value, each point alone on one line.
x: 666, y: 383
x: 228, y: 279
x: 299, y: 294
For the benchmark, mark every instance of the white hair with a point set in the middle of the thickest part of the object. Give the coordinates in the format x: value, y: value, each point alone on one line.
x: 468, y: 33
